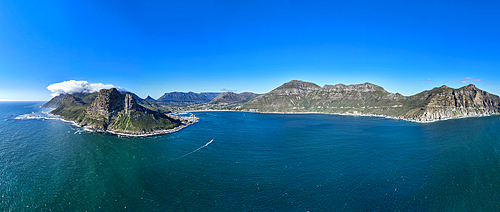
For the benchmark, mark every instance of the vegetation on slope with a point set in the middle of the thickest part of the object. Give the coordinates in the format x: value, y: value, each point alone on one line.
x: 109, y: 110
x: 369, y: 99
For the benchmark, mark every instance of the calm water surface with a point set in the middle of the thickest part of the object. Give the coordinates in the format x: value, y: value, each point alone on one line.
x: 256, y: 162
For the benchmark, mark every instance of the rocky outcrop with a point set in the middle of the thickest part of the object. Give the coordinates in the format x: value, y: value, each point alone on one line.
x: 372, y: 100
x: 445, y: 103
x: 130, y: 104
x: 107, y: 103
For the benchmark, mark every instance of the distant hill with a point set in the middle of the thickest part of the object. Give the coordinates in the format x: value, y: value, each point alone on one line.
x: 224, y: 101
x: 184, y: 99
x: 150, y: 99
x: 109, y: 110
x: 231, y: 98
x: 211, y: 95
x: 370, y: 99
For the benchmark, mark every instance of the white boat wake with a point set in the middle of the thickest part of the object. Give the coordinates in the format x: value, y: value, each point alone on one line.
x: 196, y: 150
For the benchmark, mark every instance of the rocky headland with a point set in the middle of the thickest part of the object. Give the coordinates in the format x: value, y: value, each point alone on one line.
x: 114, y: 112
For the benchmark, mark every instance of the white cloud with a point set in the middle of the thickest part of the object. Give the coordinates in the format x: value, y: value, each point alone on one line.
x: 426, y: 80
x: 73, y: 86
x: 469, y: 80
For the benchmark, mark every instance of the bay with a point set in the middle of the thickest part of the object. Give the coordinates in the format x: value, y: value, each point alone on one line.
x: 256, y: 162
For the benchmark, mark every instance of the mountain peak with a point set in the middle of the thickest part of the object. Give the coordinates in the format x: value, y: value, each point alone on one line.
x: 471, y: 86
x: 149, y: 98
x: 299, y: 84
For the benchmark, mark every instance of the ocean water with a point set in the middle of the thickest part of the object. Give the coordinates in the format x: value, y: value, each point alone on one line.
x: 235, y: 161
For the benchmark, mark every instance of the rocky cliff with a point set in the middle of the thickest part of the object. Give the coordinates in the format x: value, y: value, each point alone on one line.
x: 114, y: 112
x: 444, y: 103
x: 373, y: 100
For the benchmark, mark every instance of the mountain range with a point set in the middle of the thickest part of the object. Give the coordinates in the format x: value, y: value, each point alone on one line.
x: 292, y: 97
x: 185, y: 99
x: 232, y: 98
x: 372, y: 100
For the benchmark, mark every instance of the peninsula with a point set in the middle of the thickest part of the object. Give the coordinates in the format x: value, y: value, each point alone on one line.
x: 111, y: 111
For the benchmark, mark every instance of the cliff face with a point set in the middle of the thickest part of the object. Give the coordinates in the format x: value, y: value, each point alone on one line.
x: 115, y: 112
x: 444, y: 102
x: 370, y: 99
x: 107, y: 103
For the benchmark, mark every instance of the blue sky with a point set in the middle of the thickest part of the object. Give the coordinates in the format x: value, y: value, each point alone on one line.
x: 152, y: 47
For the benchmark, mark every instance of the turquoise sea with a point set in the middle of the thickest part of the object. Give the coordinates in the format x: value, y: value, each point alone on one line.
x: 256, y: 162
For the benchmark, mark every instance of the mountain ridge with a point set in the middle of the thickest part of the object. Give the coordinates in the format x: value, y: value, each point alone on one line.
x: 231, y: 98
x: 185, y: 98
x: 298, y: 96
x: 373, y: 100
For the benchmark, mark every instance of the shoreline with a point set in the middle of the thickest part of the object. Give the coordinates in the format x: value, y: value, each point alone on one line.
x: 352, y: 114
x: 132, y: 134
